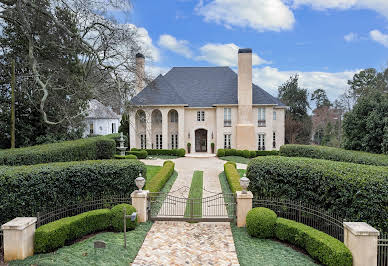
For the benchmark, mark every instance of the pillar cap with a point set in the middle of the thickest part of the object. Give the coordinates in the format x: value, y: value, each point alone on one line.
x: 240, y: 195
x: 142, y: 194
x: 245, y: 51
x: 19, y: 223
x: 361, y: 229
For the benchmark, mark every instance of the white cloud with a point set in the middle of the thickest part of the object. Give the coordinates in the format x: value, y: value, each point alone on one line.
x: 147, y: 44
x: 153, y: 71
x: 260, y: 15
x: 225, y: 55
x: 178, y: 46
x: 379, y: 37
x: 270, y: 79
x: 351, y: 37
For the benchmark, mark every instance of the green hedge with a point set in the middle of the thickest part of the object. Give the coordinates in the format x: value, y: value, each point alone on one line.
x: 232, y: 176
x: 93, y: 148
x: 334, y: 154
x: 158, y: 181
x: 356, y: 192
x: 142, y: 154
x: 25, y: 190
x: 244, y: 153
x: 320, y: 246
x: 117, y: 217
x: 130, y: 156
x: 53, y: 235
x: 174, y: 152
x: 261, y: 222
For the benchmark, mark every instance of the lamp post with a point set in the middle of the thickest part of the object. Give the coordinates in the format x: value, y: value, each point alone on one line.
x: 140, y: 181
x: 244, y: 183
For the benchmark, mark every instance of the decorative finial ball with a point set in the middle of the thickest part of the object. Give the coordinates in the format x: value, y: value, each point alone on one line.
x: 140, y: 181
x: 244, y: 183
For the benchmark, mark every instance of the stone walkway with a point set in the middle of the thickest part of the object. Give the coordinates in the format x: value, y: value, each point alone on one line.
x: 181, y: 243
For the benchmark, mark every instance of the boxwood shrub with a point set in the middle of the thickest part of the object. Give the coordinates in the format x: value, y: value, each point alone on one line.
x: 130, y: 156
x: 356, y: 192
x: 334, y: 154
x: 93, y: 148
x: 117, y: 217
x: 142, y: 154
x: 173, y: 152
x: 322, y: 247
x: 25, y: 190
x: 261, y: 222
x: 220, y: 153
x: 232, y: 176
x: 244, y: 153
x: 161, y: 177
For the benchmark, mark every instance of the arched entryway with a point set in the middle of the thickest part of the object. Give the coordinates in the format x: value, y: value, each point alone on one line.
x: 201, y: 140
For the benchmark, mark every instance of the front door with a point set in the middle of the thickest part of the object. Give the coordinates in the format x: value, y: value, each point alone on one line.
x: 201, y: 140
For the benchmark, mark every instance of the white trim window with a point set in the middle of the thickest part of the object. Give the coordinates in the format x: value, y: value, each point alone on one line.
x: 143, y: 141
x: 91, y: 128
x: 261, y: 117
x: 159, y: 141
x: 261, y: 142
x: 174, y: 141
x: 274, y: 140
x: 174, y: 117
x: 200, y: 116
x: 113, y: 127
x: 274, y: 115
x: 227, y: 141
x: 227, y: 117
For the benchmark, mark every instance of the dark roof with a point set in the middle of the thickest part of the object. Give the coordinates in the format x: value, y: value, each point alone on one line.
x: 198, y: 87
x: 99, y: 111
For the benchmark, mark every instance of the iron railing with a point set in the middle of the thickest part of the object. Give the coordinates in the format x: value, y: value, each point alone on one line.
x: 382, y: 249
x: 84, y: 206
x: 307, y: 214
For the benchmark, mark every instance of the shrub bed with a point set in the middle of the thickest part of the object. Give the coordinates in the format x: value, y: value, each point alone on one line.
x: 173, y: 152
x: 334, y: 154
x: 117, y: 217
x: 158, y: 181
x: 232, y: 176
x: 244, y: 153
x: 356, y: 192
x: 130, y: 156
x: 320, y: 246
x: 142, y: 154
x: 261, y: 222
x: 93, y: 148
x: 25, y: 190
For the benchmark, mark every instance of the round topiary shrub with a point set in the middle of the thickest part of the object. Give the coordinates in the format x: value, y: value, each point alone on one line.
x: 261, y: 222
x: 118, y: 217
x: 220, y: 153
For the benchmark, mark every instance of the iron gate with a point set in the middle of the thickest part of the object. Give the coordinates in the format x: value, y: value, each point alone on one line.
x: 220, y: 207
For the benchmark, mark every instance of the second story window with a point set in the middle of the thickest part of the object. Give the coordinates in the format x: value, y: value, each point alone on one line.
x: 227, y: 117
x: 201, y: 116
x: 274, y: 115
x: 261, y: 117
x: 174, y: 117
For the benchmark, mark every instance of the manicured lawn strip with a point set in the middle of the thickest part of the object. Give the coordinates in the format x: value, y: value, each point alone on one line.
x: 195, y: 193
x: 163, y: 157
x: 151, y: 171
x: 236, y: 159
x: 83, y: 253
x: 155, y: 207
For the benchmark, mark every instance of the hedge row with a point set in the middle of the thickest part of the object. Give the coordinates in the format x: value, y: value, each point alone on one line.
x: 131, y: 156
x: 54, y: 235
x: 160, y: 179
x: 322, y: 247
x: 355, y: 191
x: 173, y: 152
x: 334, y: 154
x: 141, y: 154
x: 93, y: 148
x: 244, y: 153
x: 232, y: 176
x: 25, y: 190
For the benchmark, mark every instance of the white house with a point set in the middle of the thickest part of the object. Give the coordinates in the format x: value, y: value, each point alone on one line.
x: 100, y: 120
x: 204, y: 105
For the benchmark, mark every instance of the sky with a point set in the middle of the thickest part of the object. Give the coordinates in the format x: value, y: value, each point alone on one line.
x: 324, y: 41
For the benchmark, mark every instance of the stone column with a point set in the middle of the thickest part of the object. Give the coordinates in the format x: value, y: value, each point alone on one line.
x: 361, y: 240
x: 19, y: 238
x: 132, y: 130
x: 181, y: 129
x: 148, y: 127
x: 244, y: 205
x: 165, y: 136
x: 139, y: 201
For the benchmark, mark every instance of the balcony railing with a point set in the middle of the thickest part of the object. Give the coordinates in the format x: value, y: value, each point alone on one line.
x: 261, y: 123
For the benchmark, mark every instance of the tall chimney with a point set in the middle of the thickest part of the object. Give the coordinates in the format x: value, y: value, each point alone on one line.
x: 140, y: 74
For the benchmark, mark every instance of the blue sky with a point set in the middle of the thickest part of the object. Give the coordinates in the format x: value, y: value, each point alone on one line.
x: 325, y: 41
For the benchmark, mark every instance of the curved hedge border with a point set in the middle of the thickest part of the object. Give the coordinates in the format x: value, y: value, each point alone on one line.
x: 173, y: 152
x: 244, y: 153
x: 158, y: 181
x: 333, y: 154
x: 25, y: 190
x: 320, y: 246
x: 142, y: 154
x: 357, y: 192
x: 93, y: 148
x: 131, y: 156
x: 232, y: 176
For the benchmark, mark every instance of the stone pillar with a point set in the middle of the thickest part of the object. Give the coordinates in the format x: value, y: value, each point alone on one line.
x: 148, y: 127
x: 181, y: 129
x: 361, y: 240
x: 244, y: 205
x: 19, y: 238
x: 139, y: 201
x: 132, y: 130
x: 165, y: 136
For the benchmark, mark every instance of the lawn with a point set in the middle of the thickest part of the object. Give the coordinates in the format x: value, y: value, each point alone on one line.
x: 236, y: 159
x: 163, y: 157
x: 195, y: 194
x: 151, y: 171
x: 83, y: 253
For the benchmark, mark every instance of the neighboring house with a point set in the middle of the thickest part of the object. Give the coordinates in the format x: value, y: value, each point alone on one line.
x: 100, y: 120
x: 204, y: 105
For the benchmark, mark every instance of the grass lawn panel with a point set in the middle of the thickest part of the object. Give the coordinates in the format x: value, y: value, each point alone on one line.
x: 236, y: 159
x: 155, y: 207
x: 83, y: 253
x: 151, y: 171
x: 195, y: 193
x: 163, y: 157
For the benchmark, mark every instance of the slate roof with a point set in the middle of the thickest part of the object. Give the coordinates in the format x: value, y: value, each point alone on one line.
x: 198, y: 87
x: 99, y: 111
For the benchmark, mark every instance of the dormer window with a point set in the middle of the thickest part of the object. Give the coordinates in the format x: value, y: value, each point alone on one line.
x: 200, y: 116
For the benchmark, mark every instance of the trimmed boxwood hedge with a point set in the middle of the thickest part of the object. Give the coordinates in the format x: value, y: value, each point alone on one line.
x: 334, y: 154
x: 160, y: 179
x: 232, y: 176
x: 173, y: 152
x: 103, y: 147
x: 130, y: 156
x: 142, y: 154
x: 261, y: 222
x: 356, y: 192
x: 244, y: 153
x: 117, y: 217
x: 25, y: 190
x: 320, y: 246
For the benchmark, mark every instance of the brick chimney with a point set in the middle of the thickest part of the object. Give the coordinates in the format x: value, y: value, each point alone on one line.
x: 140, y: 74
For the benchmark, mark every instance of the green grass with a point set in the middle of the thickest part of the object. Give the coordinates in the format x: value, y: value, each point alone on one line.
x: 236, y: 159
x: 155, y: 207
x: 82, y: 253
x: 163, y: 157
x: 195, y: 194
x: 151, y: 171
